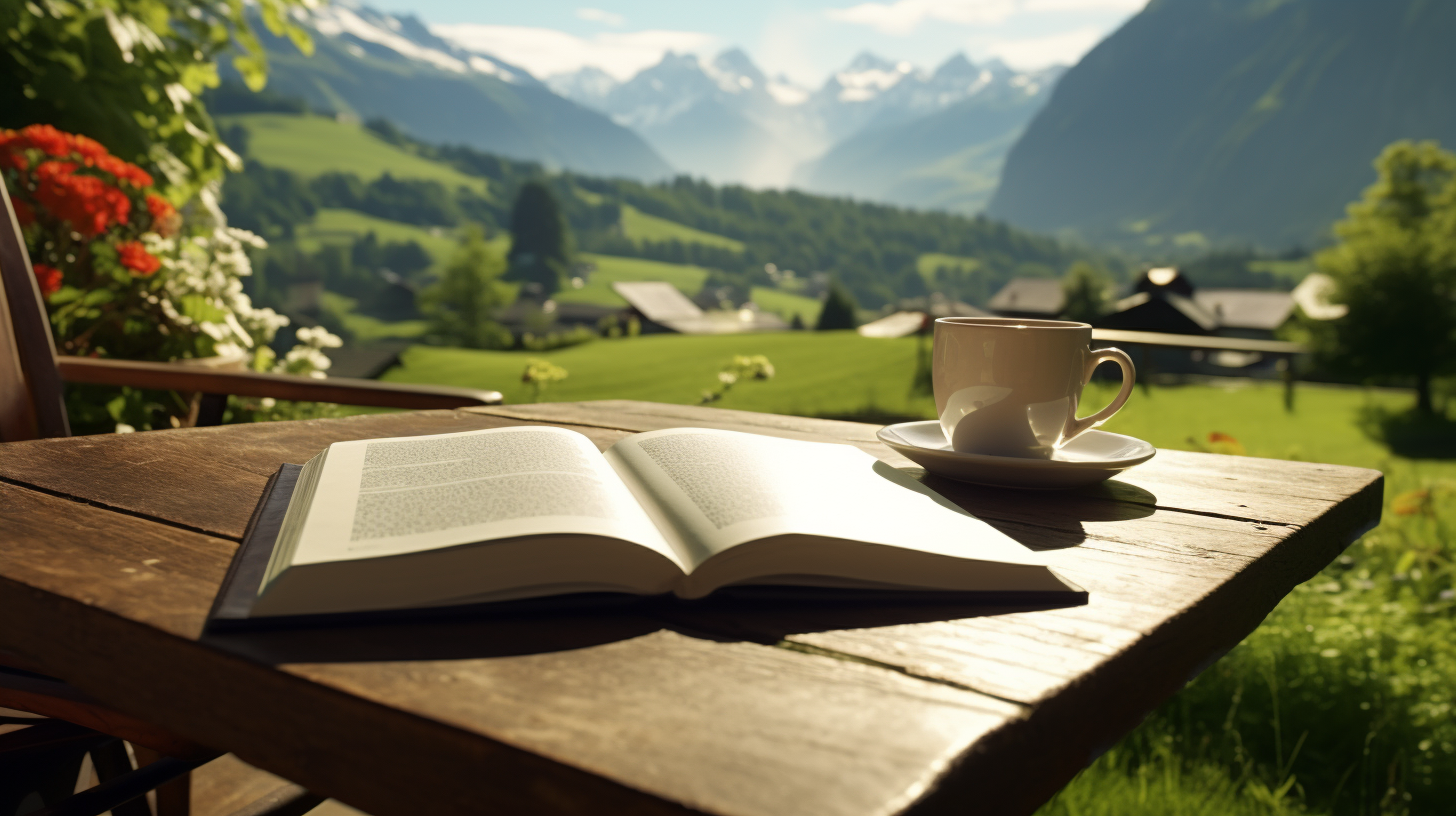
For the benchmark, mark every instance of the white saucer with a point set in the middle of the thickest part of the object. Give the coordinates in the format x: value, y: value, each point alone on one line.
x: 1088, y: 459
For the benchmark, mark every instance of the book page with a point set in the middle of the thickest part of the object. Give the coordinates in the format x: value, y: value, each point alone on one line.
x: 391, y: 496
x: 722, y: 488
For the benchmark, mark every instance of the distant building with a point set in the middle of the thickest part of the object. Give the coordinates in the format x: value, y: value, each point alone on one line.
x: 660, y: 307
x: 1164, y: 300
x: 917, y: 314
x: 1035, y: 298
x: 531, y: 315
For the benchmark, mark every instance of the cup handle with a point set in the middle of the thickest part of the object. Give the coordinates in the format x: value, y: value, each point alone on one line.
x: 1075, y: 426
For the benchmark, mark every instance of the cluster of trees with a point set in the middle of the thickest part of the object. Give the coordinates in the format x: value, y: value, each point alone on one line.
x: 272, y: 202
x: 1394, y: 268
x: 381, y: 276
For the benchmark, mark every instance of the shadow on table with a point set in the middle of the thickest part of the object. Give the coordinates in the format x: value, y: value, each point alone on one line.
x: 1046, y: 519
x: 485, y: 632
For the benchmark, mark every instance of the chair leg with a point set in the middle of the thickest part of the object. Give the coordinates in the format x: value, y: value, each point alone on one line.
x: 173, y: 798
x: 210, y: 408
x: 112, y: 762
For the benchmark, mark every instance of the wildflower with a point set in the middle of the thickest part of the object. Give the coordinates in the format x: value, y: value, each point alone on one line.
x: 49, y: 279
x: 47, y: 139
x: 124, y: 171
x: 88, y: 203
x: 135, y: 257
x: 165, y: 220
x: 88, y: 149
x: 1411, y: 503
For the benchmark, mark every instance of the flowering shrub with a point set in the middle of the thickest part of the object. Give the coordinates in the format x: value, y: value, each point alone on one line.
x: 123, y: 274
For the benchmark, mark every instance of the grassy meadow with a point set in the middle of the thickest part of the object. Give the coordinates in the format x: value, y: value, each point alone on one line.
x: 1340, y: 703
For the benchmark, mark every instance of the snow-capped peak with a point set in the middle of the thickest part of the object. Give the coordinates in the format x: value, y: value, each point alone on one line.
x: 362, y: 32
x: 868, y: 76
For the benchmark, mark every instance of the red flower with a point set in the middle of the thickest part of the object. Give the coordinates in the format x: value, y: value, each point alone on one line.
x: 160, y: 208
x: 124, y: 171
x: 53, y: 142
x: 15, y: 157
x: 87, y: 202
x: 49, y: 279
x: 135, y: 257
x: 89, y: 149
x: 24, y: 213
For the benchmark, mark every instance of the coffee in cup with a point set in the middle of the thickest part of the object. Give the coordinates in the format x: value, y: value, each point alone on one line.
x: 1011, y: 387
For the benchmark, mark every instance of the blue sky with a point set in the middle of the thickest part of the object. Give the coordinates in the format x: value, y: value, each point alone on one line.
x: 805, y: 39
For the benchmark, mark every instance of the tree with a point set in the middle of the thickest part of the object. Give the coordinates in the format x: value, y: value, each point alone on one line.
x: 540, y: 244
x: 1085, y: 288
x: 838, y: 311
x: 462, y: 304
x: 130, y: 74
x: 1394, y: 267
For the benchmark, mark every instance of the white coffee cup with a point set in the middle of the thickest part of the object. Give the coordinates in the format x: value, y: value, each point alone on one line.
x: 1010, y: 387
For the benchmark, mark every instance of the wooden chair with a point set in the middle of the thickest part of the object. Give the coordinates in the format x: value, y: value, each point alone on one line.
x: 32, y: 375
x: 41, y: 755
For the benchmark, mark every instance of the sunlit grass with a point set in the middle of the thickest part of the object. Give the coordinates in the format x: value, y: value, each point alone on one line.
x: 313, y: 145
x: 639, y: 226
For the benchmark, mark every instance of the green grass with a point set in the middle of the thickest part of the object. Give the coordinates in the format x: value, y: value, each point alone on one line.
x: 787, y: 304
x: 927, y: 263
x: 639, y: 226
x: 818, y: 372
x: 313, y: 145
x: 339, y: 226
x: 613, y: 268
x: 366, y: 328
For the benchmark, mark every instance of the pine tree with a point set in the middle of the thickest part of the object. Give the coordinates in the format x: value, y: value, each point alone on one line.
x: 839, y: 308
x: 463, y: 303
x: 540, y: 243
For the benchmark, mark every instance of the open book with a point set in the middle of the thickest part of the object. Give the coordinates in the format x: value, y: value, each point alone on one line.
x: 514, y: 513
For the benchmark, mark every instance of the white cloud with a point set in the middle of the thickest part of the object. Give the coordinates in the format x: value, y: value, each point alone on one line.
x: 544, y: 51
x: 901, y: 17
x: 597, y: 15
x: 1063, y: 48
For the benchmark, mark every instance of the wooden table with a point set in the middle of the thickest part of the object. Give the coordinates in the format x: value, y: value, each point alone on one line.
x: 112, y: 547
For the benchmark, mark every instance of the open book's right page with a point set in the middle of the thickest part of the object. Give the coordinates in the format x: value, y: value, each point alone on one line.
x: 713, y: 490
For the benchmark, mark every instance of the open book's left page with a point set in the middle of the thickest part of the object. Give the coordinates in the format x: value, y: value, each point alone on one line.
x: 382, y: 497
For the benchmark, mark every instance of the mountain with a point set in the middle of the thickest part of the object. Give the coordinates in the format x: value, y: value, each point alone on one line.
x: 877, y: 129
x: 724, y: 119
x: 1250, y: 121
x: 949, y: 158
x: 370, y: 64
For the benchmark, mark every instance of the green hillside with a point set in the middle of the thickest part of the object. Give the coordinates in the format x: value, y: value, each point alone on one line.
x: 639, y: 226
x: 312, y: 145
x: 310, y: 163
x: 611, y: 269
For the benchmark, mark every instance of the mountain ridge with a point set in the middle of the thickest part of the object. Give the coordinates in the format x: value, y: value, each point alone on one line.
x: 1240, y: 120
x: 369, y: 64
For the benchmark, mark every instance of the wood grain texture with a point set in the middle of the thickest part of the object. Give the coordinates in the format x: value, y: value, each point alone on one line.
x: 720, y: 707
x: 341, y: 390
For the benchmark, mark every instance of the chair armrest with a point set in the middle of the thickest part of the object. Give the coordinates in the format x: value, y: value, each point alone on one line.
x: 169, y: 377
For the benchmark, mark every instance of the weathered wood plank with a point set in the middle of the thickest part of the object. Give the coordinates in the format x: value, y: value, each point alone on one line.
x: 543, y: 712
